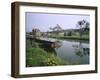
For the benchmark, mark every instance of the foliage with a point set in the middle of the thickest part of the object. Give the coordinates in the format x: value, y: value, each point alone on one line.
x: 69, y: 33
x: 75, y: 37
x: 65, y: 34
x: 56, y: 29
x: 83, y: 26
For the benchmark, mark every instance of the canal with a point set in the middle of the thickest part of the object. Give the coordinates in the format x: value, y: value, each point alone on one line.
x: 73, y: 51
x: 76, y: 52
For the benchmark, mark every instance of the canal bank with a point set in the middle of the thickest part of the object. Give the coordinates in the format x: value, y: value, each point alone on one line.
x: 38, y: 56
x: 71, y: 52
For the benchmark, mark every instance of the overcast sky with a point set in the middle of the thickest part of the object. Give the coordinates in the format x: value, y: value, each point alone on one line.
x: 44, y: 21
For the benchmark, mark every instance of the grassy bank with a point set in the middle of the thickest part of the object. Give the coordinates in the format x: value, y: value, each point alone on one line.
x: 73, y: 37
x: 39, y: 57
x: 36, y: 56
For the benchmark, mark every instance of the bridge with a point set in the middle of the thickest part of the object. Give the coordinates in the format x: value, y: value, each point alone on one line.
x: 41, y: 38
x: 48, y: 42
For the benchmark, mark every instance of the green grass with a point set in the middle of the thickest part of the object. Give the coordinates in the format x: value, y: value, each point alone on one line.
x: 74, y: 38
x: 37, y: 56
x: 84, y: 37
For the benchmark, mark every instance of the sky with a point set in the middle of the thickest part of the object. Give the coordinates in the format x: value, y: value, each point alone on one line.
x: 44, y: 21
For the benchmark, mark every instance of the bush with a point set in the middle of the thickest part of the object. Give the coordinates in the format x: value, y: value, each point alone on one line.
x: 69, y: 33
x: 65, y: 34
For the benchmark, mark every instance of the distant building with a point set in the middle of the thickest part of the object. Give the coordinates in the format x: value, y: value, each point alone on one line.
x: 62, y: 32
x: 36, y: 33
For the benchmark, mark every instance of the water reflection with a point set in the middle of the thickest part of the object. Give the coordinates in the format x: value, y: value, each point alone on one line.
x: 80, y: 50
x: 74, y: 51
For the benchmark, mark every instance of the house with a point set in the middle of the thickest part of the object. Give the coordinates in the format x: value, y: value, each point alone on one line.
x: 36, y: 32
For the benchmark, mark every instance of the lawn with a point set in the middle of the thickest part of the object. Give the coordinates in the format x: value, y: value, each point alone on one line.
x: 74, y: 37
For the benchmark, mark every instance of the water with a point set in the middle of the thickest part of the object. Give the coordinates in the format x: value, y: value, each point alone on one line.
x: 75, y: 52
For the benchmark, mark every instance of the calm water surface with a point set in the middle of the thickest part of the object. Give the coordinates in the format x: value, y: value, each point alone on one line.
x: 74, y: 52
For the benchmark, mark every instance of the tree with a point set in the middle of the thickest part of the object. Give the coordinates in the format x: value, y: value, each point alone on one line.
x: 65, y: 34
x: 83, y: 26
x: 34, y: 33
x: 56, y: 29
x: 80, y: 24
x: 87, y: 26
x: 69, y: 33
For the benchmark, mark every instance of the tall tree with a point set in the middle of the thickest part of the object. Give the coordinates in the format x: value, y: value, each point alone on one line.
x: 83, y: 26
x: 80, y: 25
